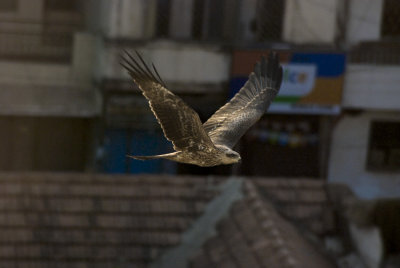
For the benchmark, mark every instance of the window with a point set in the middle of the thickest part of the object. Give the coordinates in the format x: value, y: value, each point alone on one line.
x: 197, y: 23
x: 213, y: 18
x: 44, y: 143
x: 384, y: 146
x: 163, y: 9
x: 62, y: 5
x: 269, y: 21
x: 283, y: 146
x: 207, y: 20
x: 8, y: 5
x: 220, y: 20
x: 390, y: 18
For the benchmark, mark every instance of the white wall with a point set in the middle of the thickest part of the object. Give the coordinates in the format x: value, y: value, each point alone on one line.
x: 181, y: 19
x: 310, y: 21
x: 27, y: 10
x: 48, y: 89
x: 315, y: 21
x: 364, y: 21
x: 372, y: 87
x: 348, y: 157
x: 368, y: 242
x: 175, y: 62
x: 76, y: 75
x: 131, y: 19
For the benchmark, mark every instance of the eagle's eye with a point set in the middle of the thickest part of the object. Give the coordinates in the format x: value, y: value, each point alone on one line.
x: 231, y: 155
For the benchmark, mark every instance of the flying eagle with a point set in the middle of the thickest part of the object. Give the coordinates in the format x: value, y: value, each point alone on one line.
x: 211, y: 143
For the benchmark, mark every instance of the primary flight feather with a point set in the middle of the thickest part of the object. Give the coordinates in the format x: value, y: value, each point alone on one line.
x: 211, y: 143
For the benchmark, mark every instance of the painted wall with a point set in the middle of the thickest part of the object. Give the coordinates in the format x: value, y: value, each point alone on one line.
x: 57, y: 89
x: 122, y: 142
x: 317, y: 21
x: 175, y: 62
x: 310, y: 21
x: 26, y: 9
x: 348, y: 157
x: 364, y: 20
x: 78, y: 73
x: 372, y: 87
x: 133, y: 19
x: 368, y: 243
x: 180, y: 26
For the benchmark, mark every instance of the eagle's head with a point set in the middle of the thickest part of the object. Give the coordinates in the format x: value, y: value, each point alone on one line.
x: 228, y: 155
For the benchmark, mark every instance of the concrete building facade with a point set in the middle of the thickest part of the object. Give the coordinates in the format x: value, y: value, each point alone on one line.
x: 365, y: 143
x: 60, y: 65
x: 48, y: 99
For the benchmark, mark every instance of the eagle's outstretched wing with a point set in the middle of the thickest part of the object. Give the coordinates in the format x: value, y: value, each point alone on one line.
x: 180, y: 123
x: 232, y: 120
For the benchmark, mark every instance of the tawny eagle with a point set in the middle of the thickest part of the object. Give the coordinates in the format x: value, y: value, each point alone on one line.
x: 211, y: 143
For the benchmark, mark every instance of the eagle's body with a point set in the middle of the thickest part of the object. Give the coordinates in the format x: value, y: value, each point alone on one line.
x: 207, y: 144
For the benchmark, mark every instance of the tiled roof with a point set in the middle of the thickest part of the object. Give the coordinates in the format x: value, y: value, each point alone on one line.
x: 77, y: 220
x: 84, y: 220
x: 303, y: 201
x: 255, y: 235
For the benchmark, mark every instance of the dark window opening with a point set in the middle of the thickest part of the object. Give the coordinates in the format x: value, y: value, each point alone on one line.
x: 281, y: 145
x: 62, y: 5
x: 220, y: 20
x: 8, y: 5
x: 390, y: 18
x: 384, y: 146
x: 197, y: 25
x: 269, y: 21
x: 163, y: 21
x: 44, y: 143
x: 214, y: 18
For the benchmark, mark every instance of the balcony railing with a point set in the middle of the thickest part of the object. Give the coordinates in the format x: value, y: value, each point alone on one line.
x: 26, y: 46
x: 46, y: 40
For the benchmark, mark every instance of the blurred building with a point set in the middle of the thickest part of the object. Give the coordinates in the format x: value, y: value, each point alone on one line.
x: 365, y: 147
x: 205, y: 54
x: 68, y: 104
x: 198, y: 71
x: 49, y: 102
x: 79, y: 220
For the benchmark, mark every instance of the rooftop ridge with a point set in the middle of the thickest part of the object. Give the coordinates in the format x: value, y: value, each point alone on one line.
x: 204, y: 228
x: 269, y: 225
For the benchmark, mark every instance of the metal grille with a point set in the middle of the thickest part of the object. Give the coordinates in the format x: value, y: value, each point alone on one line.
x: 49, y: 37
x: 221, y: 21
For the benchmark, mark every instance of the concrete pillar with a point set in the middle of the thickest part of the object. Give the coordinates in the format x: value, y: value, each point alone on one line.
x: 129, y: 19
x: 181, y: 19
x: 83, y: 57
x: 364, y: 21
x: 31, y: 9
x: 310, y: 21
x: 246, y: 18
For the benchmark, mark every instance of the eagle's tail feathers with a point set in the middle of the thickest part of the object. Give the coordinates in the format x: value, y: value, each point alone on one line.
x: 143, y: 157
x: 170, y: 156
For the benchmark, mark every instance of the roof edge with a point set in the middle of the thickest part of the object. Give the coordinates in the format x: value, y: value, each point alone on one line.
x: 204, y: 228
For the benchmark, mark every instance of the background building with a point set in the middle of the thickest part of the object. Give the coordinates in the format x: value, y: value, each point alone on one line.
x: 66, y: 104
x: 205, y: 54
x: 66, y: 96
x: 365, y: 144
x: 49, y: 103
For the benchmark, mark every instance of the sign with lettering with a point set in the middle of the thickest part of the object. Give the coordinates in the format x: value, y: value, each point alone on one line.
x: 312, y: 82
